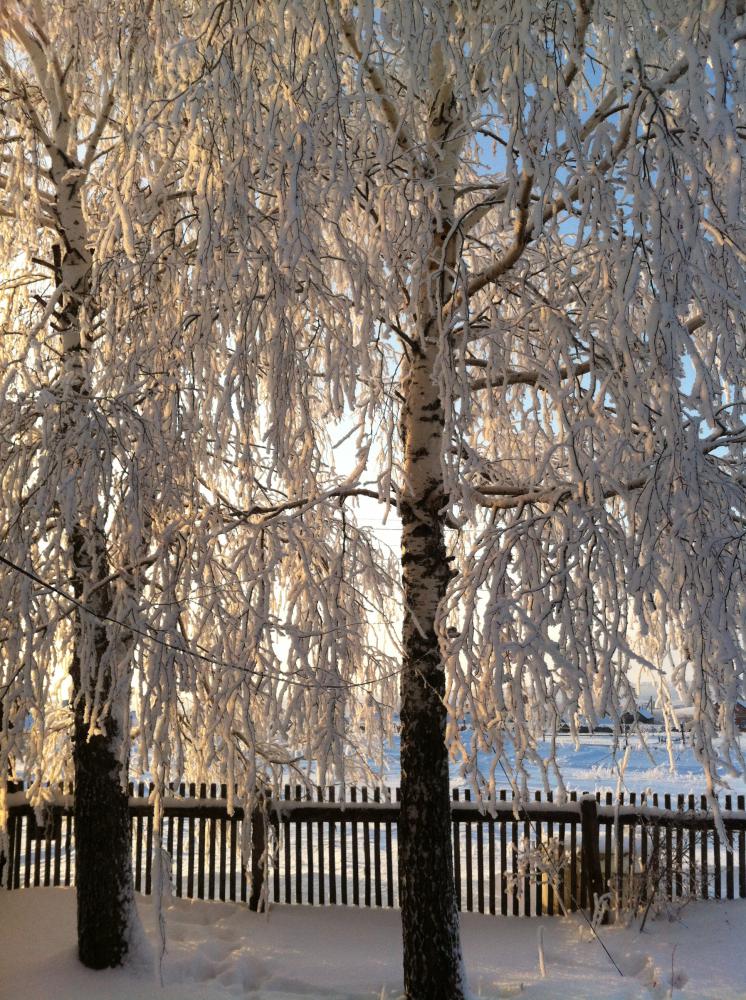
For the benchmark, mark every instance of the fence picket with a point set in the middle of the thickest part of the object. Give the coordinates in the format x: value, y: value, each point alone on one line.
x: 298, y: 855
x: 514, y: 869
x: 729, y: 893
x: 537, y: 884
x: 692, y: 853
x: 551, y: 876
x: 343, y: 859
x: 717, y: 866
x: 703, y: 856
x: 480, y: 867
x: 223, y: 846
x: 11, y: 859
x: 389, y: 859
x: 149, y: 853
x: 679, y: 872
x: 456, y: 837
x: 332, y: 856
x: 377, y: 854
x: 469, y: 859
x: 503, y: 862
x: 741, y: 854
x: 366, y: 851
x: 527, y: 870
x: 608, y: 833
x: 355, y: 874
x: 320, y: 849
x: 575, y: 902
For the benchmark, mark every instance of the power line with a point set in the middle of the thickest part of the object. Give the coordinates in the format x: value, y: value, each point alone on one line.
x: 205, y: 657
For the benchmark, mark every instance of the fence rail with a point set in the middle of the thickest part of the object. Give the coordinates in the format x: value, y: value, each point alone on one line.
x: 520, y: 859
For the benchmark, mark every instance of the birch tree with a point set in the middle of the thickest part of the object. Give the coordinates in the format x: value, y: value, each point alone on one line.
x: 148, y: 552
x: 520, y: 224
x: 80, y: 402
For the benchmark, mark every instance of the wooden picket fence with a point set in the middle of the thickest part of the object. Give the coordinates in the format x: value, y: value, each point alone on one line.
x: 524, y: 859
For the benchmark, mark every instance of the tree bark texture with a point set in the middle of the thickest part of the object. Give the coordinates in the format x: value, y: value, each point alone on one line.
x: 433, y: 966
x: 430, y: 924
x: 102, y: 821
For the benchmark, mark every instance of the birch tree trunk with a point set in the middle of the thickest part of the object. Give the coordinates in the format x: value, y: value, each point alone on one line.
x: 102, y: 824
x: 430, y: 925
x: 433, y: 967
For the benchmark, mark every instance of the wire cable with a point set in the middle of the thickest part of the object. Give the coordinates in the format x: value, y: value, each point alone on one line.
x: 184, y: 649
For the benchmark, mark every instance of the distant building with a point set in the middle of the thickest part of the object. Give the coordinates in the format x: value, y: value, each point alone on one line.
x: 739, y: 716
x: 641, y: 716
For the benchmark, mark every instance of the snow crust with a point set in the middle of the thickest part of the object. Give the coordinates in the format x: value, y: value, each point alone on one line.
x: 218, y: 951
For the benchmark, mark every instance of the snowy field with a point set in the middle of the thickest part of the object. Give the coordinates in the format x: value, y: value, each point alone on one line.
x: 217, y: 951
x: 595, y: 765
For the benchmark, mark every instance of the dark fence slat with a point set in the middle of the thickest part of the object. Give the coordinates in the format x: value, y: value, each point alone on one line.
x: 179, y: 853
x: 537, y: 890
x: 298, y: 855
x: 343, y: 859
x: 692, y: 853
x: 669, y: 851
x: 366, y: 851
x: 679, y: 867
x: 37, y: 850
x: 503, y: 862
x: 27, y: 878
x: 703, y: 849
x: 190, y: 847
x: 389, y: 859
x: 320, y: 852
x: 48, y: 849
x: 223, y: 869
x: 480, y: 867
x: 591, y: 861
x: 377, y: 854
x: 491, y: 862
x: 332, y: 855
x: 657, y: 873
x: 170, y: 843
x: 258, y: 859
x: 551, y: 876
x: 456, y: 828
x: 678, y: 886
x: 355, y: 872
x: 563, y: 869
x: 573, y: 894
x: 69, y: 831
x: 469, y: 859
x: 309, y: 861
x: 11, y: 859
x: 717, y: 867
x: 741, y: 853
x: 514, y: 869
x: 149, y: 852
x: 729, y: 881
x: 287, y: 852
x: 233, y: 854
x: 527, y: 869
x: 608, y: 834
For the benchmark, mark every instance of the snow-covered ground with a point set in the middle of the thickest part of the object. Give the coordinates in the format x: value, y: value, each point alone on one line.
x: 218, y: 951
x: 595, y: 766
